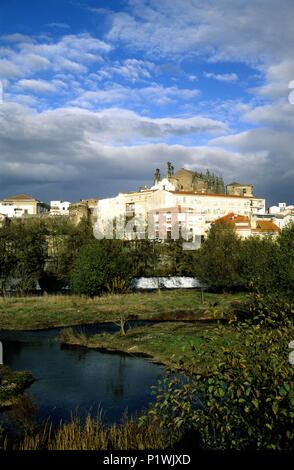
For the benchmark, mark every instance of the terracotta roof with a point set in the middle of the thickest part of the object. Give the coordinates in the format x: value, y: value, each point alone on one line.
x: 214, y: 195
x: 266, y: 226
x: 233, y: 218
x: 20, y: 197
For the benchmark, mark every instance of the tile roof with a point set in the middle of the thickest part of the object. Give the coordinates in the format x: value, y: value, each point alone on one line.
x: 266, y: 226
x: 212, y: 195
x: 233, y: 218
x: 20, y: 197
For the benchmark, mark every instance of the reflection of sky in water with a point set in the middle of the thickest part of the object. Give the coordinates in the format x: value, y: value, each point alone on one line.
x: 75, y: 378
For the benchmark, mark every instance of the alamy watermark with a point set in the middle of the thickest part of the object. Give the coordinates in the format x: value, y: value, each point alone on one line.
x: 1, y: 92
x: 291, y: 94
x: 291, y: 355
x: 132, y: 221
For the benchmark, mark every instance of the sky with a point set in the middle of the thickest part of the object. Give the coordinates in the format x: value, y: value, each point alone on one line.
x: 95, y: 95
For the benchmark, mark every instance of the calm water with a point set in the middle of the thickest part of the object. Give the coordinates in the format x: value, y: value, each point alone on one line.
x: 78, y: 379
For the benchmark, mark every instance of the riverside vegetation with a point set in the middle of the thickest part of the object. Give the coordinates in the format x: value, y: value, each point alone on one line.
x: 229, y: 385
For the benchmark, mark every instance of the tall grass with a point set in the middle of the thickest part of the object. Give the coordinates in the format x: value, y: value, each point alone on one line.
x: 93, y: 435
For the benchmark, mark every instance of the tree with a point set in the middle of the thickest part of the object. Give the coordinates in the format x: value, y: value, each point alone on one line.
x: 218, y: 261
x: 102, y: 266
x: 28, y: 249
x: 7, y: 260
x: 285, y: 242
x: 260, y: 263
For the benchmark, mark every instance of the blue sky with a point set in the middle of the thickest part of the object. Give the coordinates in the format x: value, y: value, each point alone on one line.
x: 97, y: 94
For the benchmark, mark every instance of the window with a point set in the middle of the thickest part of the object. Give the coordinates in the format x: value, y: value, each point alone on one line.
x: 130, y: 206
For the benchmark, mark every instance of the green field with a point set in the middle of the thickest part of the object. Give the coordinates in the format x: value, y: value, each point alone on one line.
x: 25, y: 313
x: 174, y: 344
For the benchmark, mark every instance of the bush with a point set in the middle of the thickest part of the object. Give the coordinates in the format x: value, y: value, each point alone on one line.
x: 246, y: 400
x: 102, y: 266
x: 286, y: 259
x: 260, y: 263
x: 218, y: 261
x: 267, y: 311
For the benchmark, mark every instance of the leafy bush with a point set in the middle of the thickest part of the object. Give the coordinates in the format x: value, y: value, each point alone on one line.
x: 218, y: 261
x: 102, y: 266
x: 246, y: 400
x: 267, y: 311
x: 260, y: 263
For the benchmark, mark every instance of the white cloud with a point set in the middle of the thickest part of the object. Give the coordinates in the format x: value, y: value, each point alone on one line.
x: 118, y: 95
x: 222, y: 77
x: 72, y: 53
x: 9, y: 69
x: 72, y: 145
x: 58, y: 25
x: 130, y: 69
x: 40, y: 86
x: 220, y: 29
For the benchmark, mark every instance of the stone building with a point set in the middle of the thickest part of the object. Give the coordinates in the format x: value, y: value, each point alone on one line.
x: 84, y: 209
x: 237, y: 189
x: 187, y: 180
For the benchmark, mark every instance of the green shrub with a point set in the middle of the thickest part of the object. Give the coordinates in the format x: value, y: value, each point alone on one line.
x: 218, y: 261
x: 102, y: 266
x: 246, y: 400
x: 267, y: 311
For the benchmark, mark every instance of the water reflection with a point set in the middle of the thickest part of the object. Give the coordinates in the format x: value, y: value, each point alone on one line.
x: 69, y: 379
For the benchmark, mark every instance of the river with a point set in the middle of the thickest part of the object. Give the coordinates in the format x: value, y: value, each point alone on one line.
x: 78, y: 380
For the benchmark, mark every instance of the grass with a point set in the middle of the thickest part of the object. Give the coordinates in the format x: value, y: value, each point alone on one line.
x: 92, y: 434
x: 26, y: 313
x: 172, y: 344
x: 12, y: 385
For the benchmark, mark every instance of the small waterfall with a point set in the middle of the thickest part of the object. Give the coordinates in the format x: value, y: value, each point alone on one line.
x: 174, y: 282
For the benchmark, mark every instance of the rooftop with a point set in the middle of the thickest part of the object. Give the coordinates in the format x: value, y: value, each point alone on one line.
x: 212, y: 195
x: 266, y: 226
x: 20, y: 197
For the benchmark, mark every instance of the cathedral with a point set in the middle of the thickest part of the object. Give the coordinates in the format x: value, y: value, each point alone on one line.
x: 192, y: 181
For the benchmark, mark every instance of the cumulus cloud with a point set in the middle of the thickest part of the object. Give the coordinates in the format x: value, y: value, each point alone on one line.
x: 79, y: 110
x: 24, y: 55
x: 41, y: 85
x: 117, y: 94
x: 66, y: 147
x: 223, y: 29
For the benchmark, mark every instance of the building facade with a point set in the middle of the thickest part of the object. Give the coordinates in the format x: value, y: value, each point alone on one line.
x: 161, y: 213
x: 59, y: 208
x: 22, y: 205
x: 188, y: 180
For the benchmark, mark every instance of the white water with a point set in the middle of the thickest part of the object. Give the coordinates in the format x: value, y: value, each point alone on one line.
x: 174, y: 282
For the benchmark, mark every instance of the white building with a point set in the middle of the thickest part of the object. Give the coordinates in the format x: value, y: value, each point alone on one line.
x: 281, y: 215
x: 21, y: 205
x: 59, y: 207
x: 161, y: 213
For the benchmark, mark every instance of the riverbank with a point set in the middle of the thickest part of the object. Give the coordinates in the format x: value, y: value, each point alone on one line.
x: 33, y: 313
x: 12, y: 385
x: 171, y: 344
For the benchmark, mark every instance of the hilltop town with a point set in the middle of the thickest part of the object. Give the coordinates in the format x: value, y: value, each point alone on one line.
x: 182, y: 203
